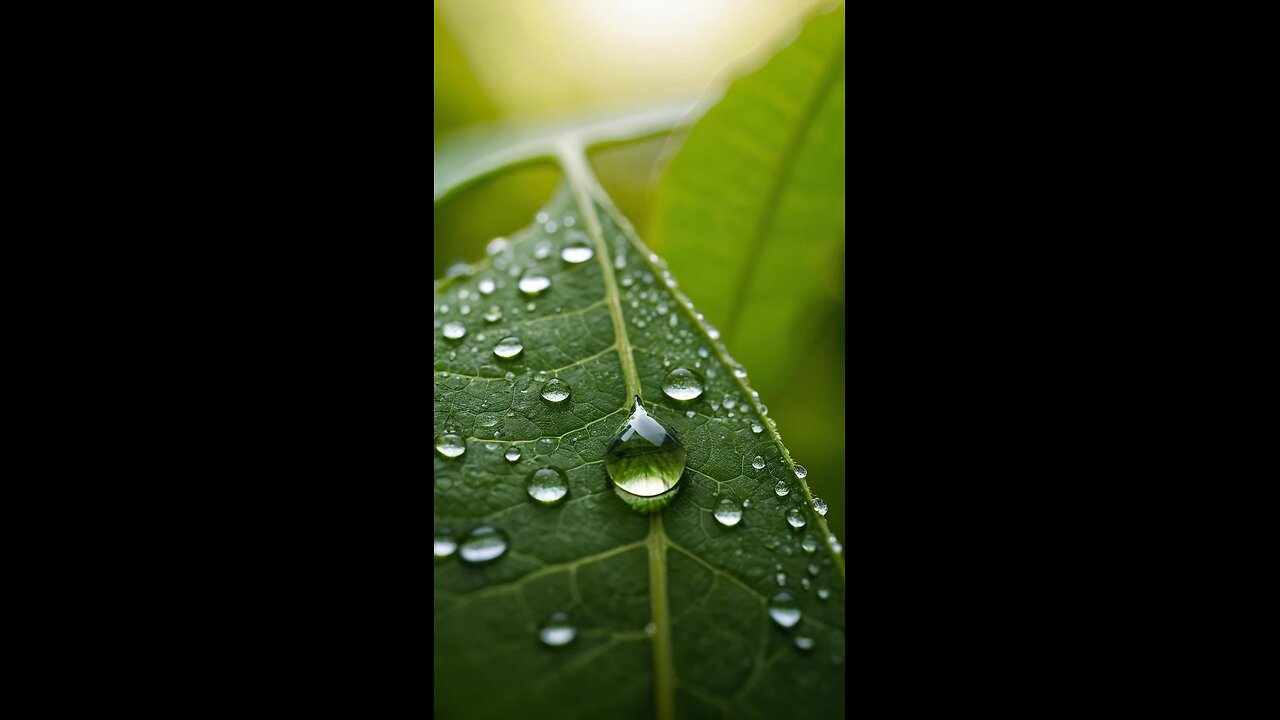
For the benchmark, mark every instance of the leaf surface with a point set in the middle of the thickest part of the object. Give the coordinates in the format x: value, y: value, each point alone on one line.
x: 752, y: 205
x: 671, y: 609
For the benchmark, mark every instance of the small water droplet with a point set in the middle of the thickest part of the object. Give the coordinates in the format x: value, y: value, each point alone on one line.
x: 702, y: 352
x: 484, y: 544
x: 508, y: 347
x: 784, y: 610
x: 820, y: 506
x: 746, y: 503
x: 823, y: 593
x: 531, y: 307
x: 496, y: 246
x: 672, y: 321
x: 577, y: 250
x: 781, y: 488
x: 682, y: 384
x: 465, y: 309
x: 757, y: 463
x: 546, y: 445
x: 542, y: 217
x: 487, y: 286
x: 650, y: 629
x: 834, y: 543
x: 548, y: 485
x: 804, y: 643
x: 534, y: 282
x: 445, y: 543
x: 804, y: 583
x: 782, y: 579
x: 450, y: 445
x: 627, y: 280
x: 809, y: 545
x: 542, y: 251
x: 813, y: 569
x: 689, y: 414
x: 454, y: 330
x: 512, y: 454
x: 802, y: 473
x: 728, y: 513
x: 755, y: 428
x: 551, y: 226
x: 493, y: 314
x: 557, y: 630
x: 569, y: 221
x: 644, y: 459
x: 556, y: 390
x: 795, y: 518
x: 712, y: 332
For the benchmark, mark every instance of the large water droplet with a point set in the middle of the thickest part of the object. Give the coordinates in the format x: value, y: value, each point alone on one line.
x: 534, y: 282
x: 450, y: 445
x: 557, y: 631
x: 784, y: 610
x: 757, y: 462
x: 728, y: 513
x: 483, y: 545
x: 548, y: 486
x: 795, y: 518
x: 508, y: 347
x: 781, y: 488
x: 682, y: 384
x: 556, y: 390
x: 800, y: 471
x: 577, y: 250
x: 445, y: 543
x: 454, y: 330
x: 820, y: 506
x: 512, y: 454
x: 645, y: 459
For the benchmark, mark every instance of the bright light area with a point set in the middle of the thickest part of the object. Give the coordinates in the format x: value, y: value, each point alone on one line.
x: 551, y: 57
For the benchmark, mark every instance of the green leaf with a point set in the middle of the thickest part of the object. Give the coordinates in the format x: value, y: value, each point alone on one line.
x: 670, y: 609
x: 458, y: 98
x: 752, y: 206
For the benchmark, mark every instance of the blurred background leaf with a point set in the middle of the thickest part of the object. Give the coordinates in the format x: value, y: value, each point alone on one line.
x: 515, y: 63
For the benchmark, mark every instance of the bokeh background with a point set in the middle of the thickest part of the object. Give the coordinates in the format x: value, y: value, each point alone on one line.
x: 517, y: 61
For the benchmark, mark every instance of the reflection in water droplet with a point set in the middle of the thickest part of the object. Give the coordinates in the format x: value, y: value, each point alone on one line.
x: 451, y: 446
x: 809, y: 545
x: 548, y: 486
x: 800, y: 471
x: 682, y: 384
x: 728, y: 513
x: 556, y: 390
x: 445, y: 543
x: 781, y: 488
x: 757, y: 463
x: 577, y: 250
x: 804, y: 643
x: 820, y: 506
x: 512, y: 454
x: 453, y: 330
x: 783, y: 610
x: 795, y: 518
x: 508, y: 347
x: 534, y: 282
x: 557, y: 631
x: 484, y: 544
x: 644, y: 459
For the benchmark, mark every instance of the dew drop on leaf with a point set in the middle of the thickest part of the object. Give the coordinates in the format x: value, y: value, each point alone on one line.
x: 546, y: 445
x: 484, y: 544
x: 756, y: 428
x: 556, y: 390
x: 548, y: 486
x: 508, y: 347
x: 823, y: 593
x: 682, y: 384
x: 445, y: 543
x: 781, y: 489
x: 795, y: 518
x: 757, y: 463
x: 809, y: 545
x: 577, y: 250
x: 820, y: 506
x: 801, y: 472
x: 487, y: 286
x: 804, y: 643
x: 450, y: 445
x: 782, y: 579
x: 784, y: 610
x: 557, y: 630
x: 493, y: 314
x: 534, y: 282
x: 644, y: 459
x: 728, y: 513
x: 512, y: 454
x: 454, y: 330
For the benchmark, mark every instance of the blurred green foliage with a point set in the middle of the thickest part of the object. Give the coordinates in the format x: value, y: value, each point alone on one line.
x: 797, y: 369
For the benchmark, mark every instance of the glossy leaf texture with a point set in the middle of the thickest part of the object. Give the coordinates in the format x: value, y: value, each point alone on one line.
x: 671, y: 610
x: 756, y: 193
